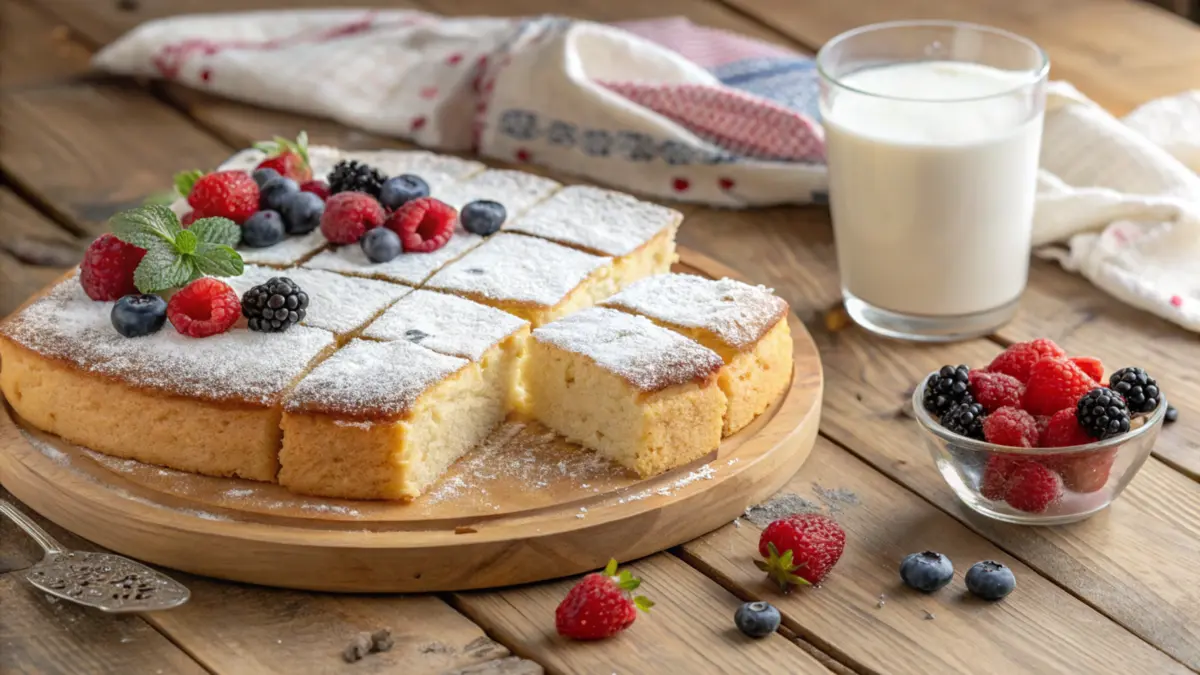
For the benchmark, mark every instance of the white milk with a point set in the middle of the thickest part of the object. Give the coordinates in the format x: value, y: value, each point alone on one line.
x: 933, y: 200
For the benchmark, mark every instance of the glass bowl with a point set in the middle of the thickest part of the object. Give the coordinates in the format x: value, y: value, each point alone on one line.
x: 1091, y: 475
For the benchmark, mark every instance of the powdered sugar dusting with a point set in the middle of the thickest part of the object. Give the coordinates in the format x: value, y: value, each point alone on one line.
x: 439, y: 171
x: 371, y: 379
x: 516, y: 268
x: 601, y: 221
x: 646, y: 355
x: 287, y: 252
x: 516, y: 190
x: 706, y: 472
x: 238, y: 365
x: 336, y: 303
x: 406, y: 268
x: 737, y: 314
x: 58, y: 456
x: 445, y: 323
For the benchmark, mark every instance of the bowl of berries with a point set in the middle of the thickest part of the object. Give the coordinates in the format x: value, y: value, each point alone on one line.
x: 1037, y: 437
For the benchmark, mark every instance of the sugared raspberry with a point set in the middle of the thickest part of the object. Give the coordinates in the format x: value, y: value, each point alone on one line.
x: 1018, y: 359
x: 1090, y: 365
x: 205, y: 307
x: 1054, y: 384
x: 1063, y: 431
x: 225, y: 194
x: 1012, y: 427
x: 107, y: 269
x: 318, y: 187
x: 424, y: 224
x: 995, y: 390
x: 348, y: 216
x: 994, y: 484
x: 1032, y: 487
x: 1083, y: 472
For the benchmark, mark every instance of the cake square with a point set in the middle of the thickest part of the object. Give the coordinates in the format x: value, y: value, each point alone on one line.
x: 446, y: 324
x: 746, y: 325
x: 384, y: 420
x: 290, y: 251
x: 336, y: 303
x: 637, y: 393
x: 638, y: 235
x: 532, y: 278
x: 516, y: 190
x: 67, y: 371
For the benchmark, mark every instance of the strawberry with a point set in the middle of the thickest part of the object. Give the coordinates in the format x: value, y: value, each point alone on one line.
x: 800, y: 549
x: 225, y: 194
x: 999, y: 468
x: 1032, y: 487
x: 600, y: 605
x: 995, y: 390
x: 106, y: 272
x: 1090, y: 365
x: 1054, y: 384
x: 1018, y: 360
x: 1083, y: 472
x: 1012, y: 427
x: 1063, y: 431
x: 288, y: 158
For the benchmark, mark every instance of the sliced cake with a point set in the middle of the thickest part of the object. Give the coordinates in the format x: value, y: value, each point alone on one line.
x: 639, y: 394
x: 516, y: 190
x: 209, y: 406
x: 747, y: 325
x: 532, y: 278
x: 383, y: 420
x: 448, y: 324
x: 638, y: 235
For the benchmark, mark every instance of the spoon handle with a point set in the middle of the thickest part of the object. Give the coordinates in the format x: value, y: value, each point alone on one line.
x: 42, y: 537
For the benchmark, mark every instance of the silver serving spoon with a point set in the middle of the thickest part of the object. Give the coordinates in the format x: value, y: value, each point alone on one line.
x: 108, y: 582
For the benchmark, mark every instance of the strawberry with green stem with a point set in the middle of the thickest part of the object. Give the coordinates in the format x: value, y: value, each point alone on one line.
x: 799, y: 550
x: 289, y: 158
x: 600, y: 605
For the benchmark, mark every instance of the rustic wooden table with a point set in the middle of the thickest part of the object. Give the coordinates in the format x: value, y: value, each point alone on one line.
x: 1117, y: 593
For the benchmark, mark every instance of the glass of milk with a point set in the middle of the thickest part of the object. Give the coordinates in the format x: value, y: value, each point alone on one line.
x: 932, y: 133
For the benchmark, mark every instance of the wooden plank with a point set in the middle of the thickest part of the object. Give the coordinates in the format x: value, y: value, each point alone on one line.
x: 36, y: 51
x: 690, y: 629
x: 44, y: 635
x: 1101, y: 46
x: 1040, y: 628
x: 33, y: 251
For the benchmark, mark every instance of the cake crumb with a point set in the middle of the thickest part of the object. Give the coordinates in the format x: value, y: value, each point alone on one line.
x: 781, y: 505
x: 381, y: 640
x: 881, y: 602
x: 737, y: 523
x: 358, y: 648
x: 929, y: 615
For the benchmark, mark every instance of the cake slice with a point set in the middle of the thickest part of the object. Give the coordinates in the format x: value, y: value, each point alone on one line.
x: 384, y: 420
x: 209, y: 406
x: 639, y: 236
x: 532, y: 278
x: 449, y: 324
x: 746, y: 325
x: 516, y: 190
x: 637, y: 393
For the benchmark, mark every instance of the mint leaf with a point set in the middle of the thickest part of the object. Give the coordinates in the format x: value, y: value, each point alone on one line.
x: 185, y: 242
x: 163, y: 268
x: 217, y: 260
x: 217, y: 231
x: 186, y: 180
x: 146, y: 225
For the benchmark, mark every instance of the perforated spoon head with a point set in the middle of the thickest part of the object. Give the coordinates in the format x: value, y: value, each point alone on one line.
x: 108, y: 582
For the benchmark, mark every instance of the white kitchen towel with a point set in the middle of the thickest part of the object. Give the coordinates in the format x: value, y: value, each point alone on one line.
x: 679, y: 111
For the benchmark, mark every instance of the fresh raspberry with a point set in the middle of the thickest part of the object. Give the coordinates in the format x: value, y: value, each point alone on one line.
x: 288, y: 164
x: 189, y: 218
x: 1055, y: 384
x: 600, y: 606
x: 107, y: 269
x: 348, y: 216
x: 205, y: 307
x: 1090, y: 365
x: 1083, y: 472
x: 995, y: 390
x: 424, y: 224
x: 225, y: 194
x: 318, y: 187
x: 1012, y: 427
x: 1018, y: 359
x: 999, y: 467
x: 1063, y: 431
x: 1032, y: 487
x: 800, y: 549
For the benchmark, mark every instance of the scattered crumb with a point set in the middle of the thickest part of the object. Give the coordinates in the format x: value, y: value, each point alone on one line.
x: 882, y: 601
x: 836, y: 319
x: 836, y: 498
x: 737, y: 523
x: 583, y: 509
x: 435, y: 648
x: 367, y: 643
x: 465, y: 529
x: 779, y: 506
x: 929, y: 615
x: 381, y: 640
x: 579, y: 516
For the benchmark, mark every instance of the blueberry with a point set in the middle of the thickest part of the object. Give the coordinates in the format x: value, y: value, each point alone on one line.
x: 757, y: 619
x: 275, y: 191
x: 138, y: 315
x: 399, y: 190
x: 302, y: 212
x: 927, y: 571
x: 261, y: 176
x: 483, y: 217
x: 380, y: 245
x: 262, y: 229
x: 990, y: 580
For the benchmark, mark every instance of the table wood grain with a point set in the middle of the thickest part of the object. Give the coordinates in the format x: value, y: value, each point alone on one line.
x: 1117, y: 593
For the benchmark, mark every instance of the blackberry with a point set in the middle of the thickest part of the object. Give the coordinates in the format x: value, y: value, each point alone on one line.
x: 1102, y: 413
x: 965, y: 419
x: 947, y: 388
x: 274, y: 306
x: 354, y: 176
x: 1139, y: 389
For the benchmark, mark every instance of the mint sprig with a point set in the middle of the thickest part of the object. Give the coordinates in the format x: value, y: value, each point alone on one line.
x: 175, y: 256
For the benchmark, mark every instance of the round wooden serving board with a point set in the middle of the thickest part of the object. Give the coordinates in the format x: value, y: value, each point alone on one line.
x: 524, y: 507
